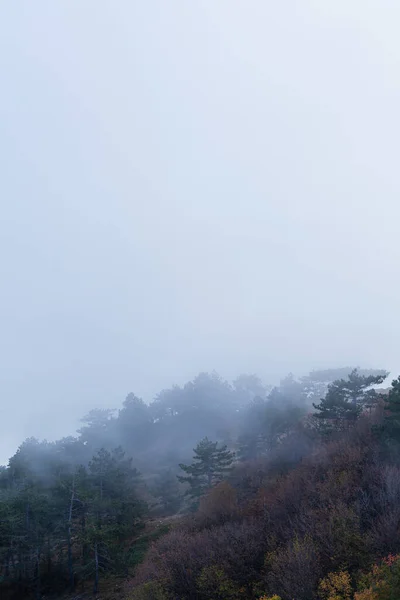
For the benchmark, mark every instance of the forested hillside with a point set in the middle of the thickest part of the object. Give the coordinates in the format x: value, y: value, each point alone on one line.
x: 214, y: 491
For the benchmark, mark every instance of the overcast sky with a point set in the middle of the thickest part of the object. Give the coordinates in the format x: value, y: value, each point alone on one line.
x: 190, y: 186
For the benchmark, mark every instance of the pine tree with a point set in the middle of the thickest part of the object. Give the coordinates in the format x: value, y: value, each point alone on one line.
x: 251, y: 445
x: 167, y: 490
x: 113, y: 511
x: 209, y: 466
x: 392, y: 417
x: 346, y: 399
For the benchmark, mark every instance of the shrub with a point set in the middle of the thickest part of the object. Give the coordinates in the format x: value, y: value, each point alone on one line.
x: 336, y: 586
x: 150, y: 591
x: 293, y: 571
x: 214, y: 583
x: 219, y: 505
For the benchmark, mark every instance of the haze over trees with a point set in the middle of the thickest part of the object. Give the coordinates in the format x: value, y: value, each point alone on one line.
x: 187, y: 186
x: 290, y: 490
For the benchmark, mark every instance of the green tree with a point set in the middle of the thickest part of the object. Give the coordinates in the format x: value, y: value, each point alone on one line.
x: 98, y: 428
x: 250, y: 445
x: 167, y: 491
x: 346, y: 399
x: 392, y: 416
x: 265, y: 423
x: 135, y: 426
x: 214, y: 583
x: 315, y: 384
x: 209, y: 466
x: 248, y: 387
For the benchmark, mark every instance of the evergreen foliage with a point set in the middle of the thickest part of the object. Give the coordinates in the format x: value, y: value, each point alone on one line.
x: 210, y: 465
x: 346, y: 399
x: 392, y: 417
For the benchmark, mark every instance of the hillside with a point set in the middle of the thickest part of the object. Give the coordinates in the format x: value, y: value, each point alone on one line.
x: 291, y: 492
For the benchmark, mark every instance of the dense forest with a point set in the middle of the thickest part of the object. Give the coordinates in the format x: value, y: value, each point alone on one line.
x: 215, y: 490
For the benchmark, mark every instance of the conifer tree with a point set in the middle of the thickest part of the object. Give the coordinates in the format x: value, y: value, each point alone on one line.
x: 346, y: 399
x: 209, y: 466
x: 392, y: 417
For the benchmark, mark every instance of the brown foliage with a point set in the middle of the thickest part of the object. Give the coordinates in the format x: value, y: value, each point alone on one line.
x: 280, y: 531
x: 385, y: 499
x: 219, y: 505
x: 294, y: 570
x: 179, y: 558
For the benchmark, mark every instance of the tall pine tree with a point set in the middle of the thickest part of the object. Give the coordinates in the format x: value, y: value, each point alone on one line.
x: 346, y: 399
x: 209, y: 466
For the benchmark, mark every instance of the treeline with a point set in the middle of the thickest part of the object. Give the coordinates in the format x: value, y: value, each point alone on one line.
x: 71, y: 511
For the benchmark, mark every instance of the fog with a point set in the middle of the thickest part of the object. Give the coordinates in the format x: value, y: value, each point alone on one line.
x: 189, y: 186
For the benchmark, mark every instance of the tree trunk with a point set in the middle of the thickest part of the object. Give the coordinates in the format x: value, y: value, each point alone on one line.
x: 69, y: 540
x: 49, y: 563
x: 96, y: 569
x: 37, y: 575
x: 209, y: 478
x: 7, y: 563
x: 20, y: 565
x: 83, y: 533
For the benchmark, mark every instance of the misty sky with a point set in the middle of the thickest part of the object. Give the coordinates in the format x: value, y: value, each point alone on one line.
x: 190, y: 186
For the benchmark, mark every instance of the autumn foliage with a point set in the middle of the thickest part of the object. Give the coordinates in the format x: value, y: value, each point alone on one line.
x: 307, y: 532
